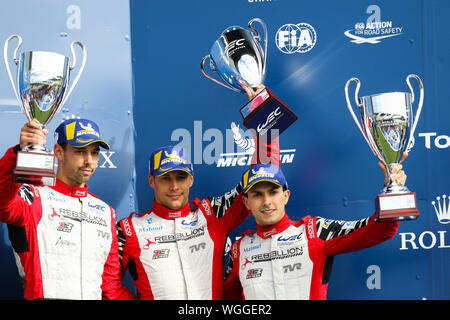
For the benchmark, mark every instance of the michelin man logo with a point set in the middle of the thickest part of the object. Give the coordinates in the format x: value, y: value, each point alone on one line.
x: 174, y: 154
x: 172, y: 157
x: 87, y: 127
x: 260, y: 171
x: 292, y: 38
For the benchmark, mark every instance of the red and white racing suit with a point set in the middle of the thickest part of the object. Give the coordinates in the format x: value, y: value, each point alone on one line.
x: 178, y: 254
x: 64, y: 239
x: 292, y: 260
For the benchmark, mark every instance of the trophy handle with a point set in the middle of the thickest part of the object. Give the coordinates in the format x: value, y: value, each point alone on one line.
x: 257, y: 37
x: 419, y: 108
x: 358, y: 104
x: 202, y: 67
x: 16, y: 61
x: 72, y: 66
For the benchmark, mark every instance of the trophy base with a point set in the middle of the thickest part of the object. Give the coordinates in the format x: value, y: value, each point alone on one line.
x: 396, y: 207
x: 37, y: 168
x: 268, y: 115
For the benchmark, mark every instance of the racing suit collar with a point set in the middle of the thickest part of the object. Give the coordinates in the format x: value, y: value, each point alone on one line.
x: 267, y: 231
x: 167, y: 213
x: 76, y: 192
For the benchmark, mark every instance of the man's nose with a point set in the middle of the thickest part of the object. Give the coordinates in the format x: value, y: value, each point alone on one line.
x: 88, y: 158
x: 174, y: 185
x: 267, y: 200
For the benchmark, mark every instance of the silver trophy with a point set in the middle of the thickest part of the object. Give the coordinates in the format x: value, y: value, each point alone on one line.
x: 41, y: 90
x: 238, y: 57
x: 388, y: 125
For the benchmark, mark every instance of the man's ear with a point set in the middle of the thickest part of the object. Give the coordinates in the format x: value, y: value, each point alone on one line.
x: 287, y: 194
x: 245, y: 200
x: 151, y: 180
x: 59, y: 152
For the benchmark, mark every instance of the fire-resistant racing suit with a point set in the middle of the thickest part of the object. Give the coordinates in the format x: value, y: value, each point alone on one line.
x: 178, y: 254
x: 64, y: 239
x: 292, y: 260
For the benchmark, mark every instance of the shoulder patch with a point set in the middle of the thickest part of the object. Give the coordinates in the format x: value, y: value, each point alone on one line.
x: 127, y: 227
x: 26, y: 193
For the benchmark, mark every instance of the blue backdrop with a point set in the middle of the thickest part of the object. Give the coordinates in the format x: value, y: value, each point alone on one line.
x: 143, y: 85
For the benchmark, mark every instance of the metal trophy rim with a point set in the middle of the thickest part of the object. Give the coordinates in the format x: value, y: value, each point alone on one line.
x: 382, y: 93
x: 43, y: 51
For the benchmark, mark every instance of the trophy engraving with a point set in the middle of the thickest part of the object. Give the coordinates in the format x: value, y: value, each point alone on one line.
x: 387, y: 123
x: 41, y: 91
x: 240, y: 60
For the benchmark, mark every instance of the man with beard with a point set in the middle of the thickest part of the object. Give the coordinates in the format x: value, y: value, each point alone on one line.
x: 55, y: 230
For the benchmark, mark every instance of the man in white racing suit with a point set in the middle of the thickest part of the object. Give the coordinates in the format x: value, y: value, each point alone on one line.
x: 175, y: 251
x: 64, y: 237
x: 287, y: 259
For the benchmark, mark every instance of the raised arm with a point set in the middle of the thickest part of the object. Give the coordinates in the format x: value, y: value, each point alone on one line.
x: 14, y: 200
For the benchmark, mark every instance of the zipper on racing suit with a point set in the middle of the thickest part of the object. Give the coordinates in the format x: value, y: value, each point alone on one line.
x: 81, y: 246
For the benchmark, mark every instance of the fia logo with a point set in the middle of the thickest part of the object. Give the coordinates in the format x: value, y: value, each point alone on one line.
x: 373, y: 30
x: 292, y: 38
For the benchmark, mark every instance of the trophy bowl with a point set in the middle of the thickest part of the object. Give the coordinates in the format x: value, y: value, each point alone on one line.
x: 41, y: 90
x: 239, y: 59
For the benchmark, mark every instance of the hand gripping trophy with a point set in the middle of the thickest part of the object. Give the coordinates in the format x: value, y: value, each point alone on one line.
x: 42, y: 80
x: 239, y: 59
x: 388, y: 125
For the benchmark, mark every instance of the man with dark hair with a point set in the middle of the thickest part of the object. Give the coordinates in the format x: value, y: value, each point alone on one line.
x: 64, y: 237
x: 287, y: 259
